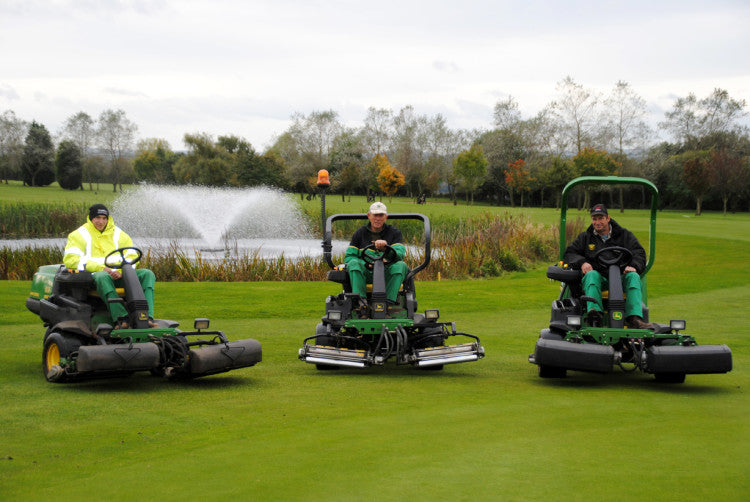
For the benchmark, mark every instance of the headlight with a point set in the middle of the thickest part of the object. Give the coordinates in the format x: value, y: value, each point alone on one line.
x: 431, y: 314
x: 334, y: 315
x: 201, y: 323
x: 574, y: 321
x: 677, y: 324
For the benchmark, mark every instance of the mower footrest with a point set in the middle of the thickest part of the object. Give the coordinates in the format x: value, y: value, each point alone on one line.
x: 319, y: 354
x: 127, y: 357
x: 692, y: 359
x: 451, y: 354
x: 221, y: 357
x: 574, y: 356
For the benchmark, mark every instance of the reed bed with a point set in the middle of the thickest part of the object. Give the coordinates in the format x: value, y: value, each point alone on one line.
x: 486, y: 245
x: 35, y: 220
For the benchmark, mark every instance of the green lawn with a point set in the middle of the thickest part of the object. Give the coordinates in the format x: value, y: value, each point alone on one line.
x: 489, y: 430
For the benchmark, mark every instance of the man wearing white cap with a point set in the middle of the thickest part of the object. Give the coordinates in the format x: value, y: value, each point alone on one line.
x: 380, y: 234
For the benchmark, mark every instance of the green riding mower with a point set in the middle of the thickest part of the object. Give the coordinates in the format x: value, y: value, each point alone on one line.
x: 574, y: 342
x: 81, y: 342
x: 363, y: 332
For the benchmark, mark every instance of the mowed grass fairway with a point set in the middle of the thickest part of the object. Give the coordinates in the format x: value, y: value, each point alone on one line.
x: 489, y: 430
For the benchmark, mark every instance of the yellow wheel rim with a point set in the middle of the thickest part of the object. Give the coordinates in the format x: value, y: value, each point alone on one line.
x: 53, y: 355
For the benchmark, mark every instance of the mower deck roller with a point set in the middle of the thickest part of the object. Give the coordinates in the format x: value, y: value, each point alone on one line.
x: 221, y: 357
x: 122, y: 357
x: 574, y: 356
x: 695, y: 359
x: 205, y: 360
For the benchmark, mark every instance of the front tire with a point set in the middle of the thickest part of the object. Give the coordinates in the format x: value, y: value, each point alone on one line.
x: 57, y: 347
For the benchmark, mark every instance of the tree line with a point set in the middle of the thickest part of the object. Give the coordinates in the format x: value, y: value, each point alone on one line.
x: 519, y: 160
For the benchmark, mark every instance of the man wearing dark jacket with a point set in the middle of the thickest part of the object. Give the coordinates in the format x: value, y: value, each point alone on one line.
x: 605, y: 232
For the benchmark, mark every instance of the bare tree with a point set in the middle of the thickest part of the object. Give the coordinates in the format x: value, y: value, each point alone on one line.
x: 12, y: 133
x: 625, y: 118
x: 406, y: 156
x: 682, y: 121
x: 377, y: 132
x: 506, y: 114
x: 79, y: 128
x: 115, y: 134
x: 721, y: 113
x: 576, y: 112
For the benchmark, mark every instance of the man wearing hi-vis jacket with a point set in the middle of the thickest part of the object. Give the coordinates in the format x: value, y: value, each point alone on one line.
x: 86, y: 249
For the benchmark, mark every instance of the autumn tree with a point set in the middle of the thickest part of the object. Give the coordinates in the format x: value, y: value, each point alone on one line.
x: 728, y: 174
x: 696, y: 174
x: 518, y: 179
x: 389, y: 178
x: 471, y: 167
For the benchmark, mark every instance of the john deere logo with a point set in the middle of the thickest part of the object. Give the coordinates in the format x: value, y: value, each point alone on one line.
x: 142, y: 316
x: 591, y: 247
x: 379, y: 307
x: 616, y: 316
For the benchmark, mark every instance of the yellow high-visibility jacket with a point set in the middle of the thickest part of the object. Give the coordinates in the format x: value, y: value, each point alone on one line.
x: 87, y: 247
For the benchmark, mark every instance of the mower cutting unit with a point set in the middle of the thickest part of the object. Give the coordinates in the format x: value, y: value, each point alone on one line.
x: 572, y: 343
x: 81, y: 342
x: 361, y: 332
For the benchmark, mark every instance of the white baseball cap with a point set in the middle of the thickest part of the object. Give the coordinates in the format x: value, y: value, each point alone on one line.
x: 378, y: 208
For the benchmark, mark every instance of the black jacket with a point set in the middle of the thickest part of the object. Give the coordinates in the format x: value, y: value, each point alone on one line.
x: 587, y: 243
x: 364, y: 236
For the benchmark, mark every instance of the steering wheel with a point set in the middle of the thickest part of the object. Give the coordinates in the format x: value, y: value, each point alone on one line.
x: 370, y: 259
x: 123, y: 261
x: 618, y: 255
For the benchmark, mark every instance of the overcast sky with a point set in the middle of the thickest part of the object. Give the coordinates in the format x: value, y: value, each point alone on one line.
x: 244, y: 67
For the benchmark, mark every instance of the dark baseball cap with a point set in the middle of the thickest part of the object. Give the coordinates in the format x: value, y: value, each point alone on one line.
x: 599, y: 209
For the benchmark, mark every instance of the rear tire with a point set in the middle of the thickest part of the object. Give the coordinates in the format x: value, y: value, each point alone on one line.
x: 670, y: 377
x: 58, y: 346
x: 552, y: 372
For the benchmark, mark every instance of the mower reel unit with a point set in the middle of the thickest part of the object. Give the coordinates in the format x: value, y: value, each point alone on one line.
x: 81, y: 341
x: 362, y: 332
x: 573, y: 342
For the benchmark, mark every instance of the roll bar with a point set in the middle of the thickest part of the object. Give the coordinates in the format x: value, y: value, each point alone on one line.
x: 612, y: 180
x: 327, y: 246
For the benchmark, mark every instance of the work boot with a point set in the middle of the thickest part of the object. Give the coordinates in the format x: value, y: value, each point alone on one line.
x: 122, y: 323
x: 594, y: 318
x: 636, y: 322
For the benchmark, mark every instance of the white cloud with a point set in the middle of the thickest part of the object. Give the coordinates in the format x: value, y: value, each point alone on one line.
x: 244, y: 67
